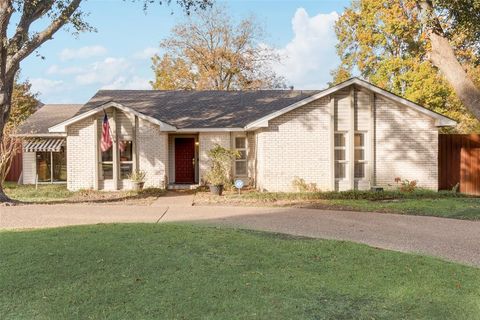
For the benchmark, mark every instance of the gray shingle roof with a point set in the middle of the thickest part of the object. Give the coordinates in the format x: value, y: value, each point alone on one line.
x: 201, y: 109
x: 48, y: 115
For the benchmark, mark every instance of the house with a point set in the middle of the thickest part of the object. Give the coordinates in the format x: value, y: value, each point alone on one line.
x: 350, y: 136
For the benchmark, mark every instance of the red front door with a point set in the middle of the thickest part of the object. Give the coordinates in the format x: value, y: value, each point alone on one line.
x: 185, y: 160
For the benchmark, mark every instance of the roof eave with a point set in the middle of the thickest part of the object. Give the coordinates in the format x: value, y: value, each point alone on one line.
x: 62, y: 127
x: 40, y: 135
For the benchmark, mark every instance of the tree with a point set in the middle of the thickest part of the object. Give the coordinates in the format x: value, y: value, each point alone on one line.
x: 19, y: 39
x: 209, y: 52
x: 24, y: 103
x: 390, y: 44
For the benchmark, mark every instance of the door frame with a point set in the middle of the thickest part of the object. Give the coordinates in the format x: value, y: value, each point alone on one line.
x: 171, y: 156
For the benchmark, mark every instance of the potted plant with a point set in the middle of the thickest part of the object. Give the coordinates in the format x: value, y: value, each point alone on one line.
x: 220, y: 164
x: 137, y: 178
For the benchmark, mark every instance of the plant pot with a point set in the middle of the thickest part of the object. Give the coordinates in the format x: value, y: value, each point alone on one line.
x: 137, y: 186
x: 216, y: 190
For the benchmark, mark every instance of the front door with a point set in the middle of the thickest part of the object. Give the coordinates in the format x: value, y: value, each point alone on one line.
x: 185, y: 160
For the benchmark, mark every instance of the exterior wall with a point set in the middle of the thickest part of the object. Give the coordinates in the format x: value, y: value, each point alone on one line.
x: 399, y: 142
x: 295, y: 145
x: 81, y: 155
x: 152, y: 146
x: 29, y: 168
x: 406, y: 145
x: 207, y: 141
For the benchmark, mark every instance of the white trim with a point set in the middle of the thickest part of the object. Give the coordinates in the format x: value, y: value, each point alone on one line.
x: 61, y: 127
x: 194, y: 130
x: 40, y: 135
x: 440, y: 120
x: 234, y: 146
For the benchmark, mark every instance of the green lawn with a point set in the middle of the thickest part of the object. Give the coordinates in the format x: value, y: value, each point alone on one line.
x: 44, y: 192
x: 58, y: 193
x: 457, y: 208
x: 421, y: 202
x: 150, y: 271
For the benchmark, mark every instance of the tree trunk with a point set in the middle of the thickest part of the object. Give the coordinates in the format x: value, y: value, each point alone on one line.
x: 4, y: 198
x: 5, y: 106
x: 443, y: 57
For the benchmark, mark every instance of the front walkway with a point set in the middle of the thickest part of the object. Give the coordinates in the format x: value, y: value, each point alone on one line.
x: 456, y: 240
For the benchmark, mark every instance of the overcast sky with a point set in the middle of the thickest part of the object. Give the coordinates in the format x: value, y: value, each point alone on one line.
x: 118, y: 55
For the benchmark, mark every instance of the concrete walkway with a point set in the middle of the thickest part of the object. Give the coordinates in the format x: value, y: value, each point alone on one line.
x: 455, y: 240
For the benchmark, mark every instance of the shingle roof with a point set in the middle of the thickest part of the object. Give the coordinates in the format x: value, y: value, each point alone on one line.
x: 201, y: 109
x: 47, y: 116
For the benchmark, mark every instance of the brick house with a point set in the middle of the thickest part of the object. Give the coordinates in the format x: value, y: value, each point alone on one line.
x: 351, y: 136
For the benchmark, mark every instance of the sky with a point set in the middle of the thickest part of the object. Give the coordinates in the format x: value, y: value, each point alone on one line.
x: 71, y: 69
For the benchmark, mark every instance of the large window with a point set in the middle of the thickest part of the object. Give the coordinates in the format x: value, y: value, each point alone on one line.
x: 125, y: 148
x: 340, y: 155
x: 241, y: 162
x: 360, y: 161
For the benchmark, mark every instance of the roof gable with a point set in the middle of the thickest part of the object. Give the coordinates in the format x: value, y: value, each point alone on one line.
x: 440, y: 120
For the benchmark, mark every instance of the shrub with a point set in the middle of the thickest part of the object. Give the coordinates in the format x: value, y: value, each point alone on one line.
x: 220, y: 164
x: 406, y: 185
x: 137, y: 176
x: 301, y: 186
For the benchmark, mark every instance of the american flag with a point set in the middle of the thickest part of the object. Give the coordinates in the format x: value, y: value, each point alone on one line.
x: 106, y: 142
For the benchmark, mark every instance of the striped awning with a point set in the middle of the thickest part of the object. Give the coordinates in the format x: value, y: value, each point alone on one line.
x: 43, y: 145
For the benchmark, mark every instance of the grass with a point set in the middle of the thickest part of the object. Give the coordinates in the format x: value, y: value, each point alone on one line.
x: 58, y: 193
x: 44, y: 193
x: 455, y: 208
x: 420, y: 202
x: 149, y: 271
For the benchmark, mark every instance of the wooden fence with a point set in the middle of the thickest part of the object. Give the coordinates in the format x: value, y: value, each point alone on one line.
x: 459, y: 162
x: 15, y: 168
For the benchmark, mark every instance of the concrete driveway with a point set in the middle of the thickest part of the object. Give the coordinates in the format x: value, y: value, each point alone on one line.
x: 455, y: 240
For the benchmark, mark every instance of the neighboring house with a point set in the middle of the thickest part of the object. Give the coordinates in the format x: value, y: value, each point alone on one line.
x: 351, y: 136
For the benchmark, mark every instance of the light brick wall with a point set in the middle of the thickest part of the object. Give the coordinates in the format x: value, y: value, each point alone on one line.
x: 152, y: 153
x: 406, y: 145
x: 295, y: 145
x: 81, y: 152
x: 207, y: 141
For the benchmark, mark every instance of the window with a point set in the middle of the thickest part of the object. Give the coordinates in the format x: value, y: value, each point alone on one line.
x: 126, y: 158
x: 360, y: 161
x: 107, y: 164
x: 44, y: 169
x: 241, y: 162
x: 52, y: 166
x: 340, y: 155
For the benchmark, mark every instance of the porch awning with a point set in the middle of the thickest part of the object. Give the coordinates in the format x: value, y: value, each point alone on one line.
x: 43, y: 145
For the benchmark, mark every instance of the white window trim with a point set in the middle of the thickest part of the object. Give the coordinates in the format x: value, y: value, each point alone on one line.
x: 241, y: 160
x: 345, y: 148
x: 120, y: 162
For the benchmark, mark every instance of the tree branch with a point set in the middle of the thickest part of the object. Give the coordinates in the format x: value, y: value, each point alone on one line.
x: 38, y: 39
x: 31, y: 12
